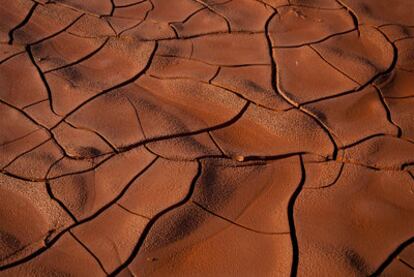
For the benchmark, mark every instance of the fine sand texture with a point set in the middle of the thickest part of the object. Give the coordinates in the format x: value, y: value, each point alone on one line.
x: 206, y: 138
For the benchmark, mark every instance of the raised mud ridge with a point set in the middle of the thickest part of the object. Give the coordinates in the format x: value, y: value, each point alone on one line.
x: 207, y: 138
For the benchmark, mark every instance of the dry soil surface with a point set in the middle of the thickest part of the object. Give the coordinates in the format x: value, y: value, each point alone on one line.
x: 207, y: 137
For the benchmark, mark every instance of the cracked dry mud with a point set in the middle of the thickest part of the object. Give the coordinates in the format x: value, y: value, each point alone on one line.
x: 207, y: 138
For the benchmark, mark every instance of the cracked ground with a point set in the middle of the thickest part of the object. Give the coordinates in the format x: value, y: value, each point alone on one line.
x: 207, y: 138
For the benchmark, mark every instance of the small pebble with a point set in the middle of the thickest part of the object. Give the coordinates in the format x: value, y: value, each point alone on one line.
x: 239, y: 158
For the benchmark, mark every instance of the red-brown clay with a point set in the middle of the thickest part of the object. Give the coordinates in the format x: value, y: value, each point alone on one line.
x: 206, y: 138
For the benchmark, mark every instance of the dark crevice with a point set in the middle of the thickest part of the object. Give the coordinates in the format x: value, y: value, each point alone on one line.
x: 238, y: 94
x: 141, y: 127
x: 210, y: 82
x: 326, y: 130
x: 118, y: 86
x: 18, y: 138
x: 34, y: 103
x: 26, y: 246
x: 93, y: 167
x: 197, y: 11
x: 51, y: 167
x: 87, y: 219
x: 103, y: 138
x: 411, y: 174
x: 189, y: 16
x: 75, y: 158
x: 404, y: 38
x: 24, y: 153
x: 216, y: 144
x: 305, y: 6
x: 245, y: 98
x: 91, y: 36
x: 153, y: 220
x: 211, y: 64
x: 89, y: 251
x: 119, y: 196
x: 130, y: 5
x: 405, y: 69
x: 329, y: 97
x: 211, y: 8
x: 140, y: 22
x: 291, y: 213
x: 271, y: 157
x: 12, y: 56
x: 352, y: 14
x: 113, y: 7
x: 73, y: 8
x: 333, y: 182
x: 392, y: 65
x: 316, y: 41
x: 110, y: 26
x: 219, y: 126
x: 368, y: 166
x: 131, y: 212
x: 60, y: 203
x: 333, y: 66
x: 21, y: 24
x: 177, y: 36
x: 183, y: 159
x: 405, y: 263
x: 399, y: 97
x: 388, y: 111
x: 81, y: 59
x: 363, y: 140
x: 191, y: 50
x: 408, y: 164
x: 218, y: 33
x: 25, y: 114
x: 25, y: 179
x: 395, y: 24
x: 60, y: 147
x: 58, y: 32
x: 370, y: 82
x: 215, y: 75
x: 43, y: 78
x: 237, y: 224
x: 137, y: 117
x: 284, y: 96
x: 391, y: 257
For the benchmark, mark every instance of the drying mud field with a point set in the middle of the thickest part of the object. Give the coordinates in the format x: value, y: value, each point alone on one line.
x: 207, y: 138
